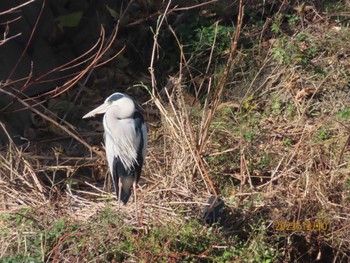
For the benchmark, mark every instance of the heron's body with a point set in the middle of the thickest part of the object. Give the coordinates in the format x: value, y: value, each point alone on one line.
x: 125, y: 160
x: 125, y: 142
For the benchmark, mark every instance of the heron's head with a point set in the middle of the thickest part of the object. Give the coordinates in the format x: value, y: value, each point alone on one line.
x: 121, y: 104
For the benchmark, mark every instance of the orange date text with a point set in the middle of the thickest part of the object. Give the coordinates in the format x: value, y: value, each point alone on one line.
x: 301, y: 226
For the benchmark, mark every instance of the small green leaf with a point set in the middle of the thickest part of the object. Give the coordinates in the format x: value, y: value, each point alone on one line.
x: 70, y: 20
x: 112, y: 12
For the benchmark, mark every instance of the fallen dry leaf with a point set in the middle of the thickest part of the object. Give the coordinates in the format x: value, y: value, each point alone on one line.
x: 304, y: 92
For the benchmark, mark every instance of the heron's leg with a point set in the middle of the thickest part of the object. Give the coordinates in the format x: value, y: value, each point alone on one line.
x: 119, y: 190
x: 135, y: 197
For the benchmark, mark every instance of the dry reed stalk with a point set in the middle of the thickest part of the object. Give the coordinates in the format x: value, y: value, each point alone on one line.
x: 179, y: 127
x: 19, y: 182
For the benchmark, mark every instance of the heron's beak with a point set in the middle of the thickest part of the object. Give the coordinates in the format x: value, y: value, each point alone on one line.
x: 99, y: 110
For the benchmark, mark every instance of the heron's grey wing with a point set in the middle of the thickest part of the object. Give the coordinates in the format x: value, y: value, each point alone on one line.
x: 144, y: 135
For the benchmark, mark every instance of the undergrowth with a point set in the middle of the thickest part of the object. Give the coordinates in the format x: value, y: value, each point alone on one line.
x: 105, y: 237
x: 268, y: 133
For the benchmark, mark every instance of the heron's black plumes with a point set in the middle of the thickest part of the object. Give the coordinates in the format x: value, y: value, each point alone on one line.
x: 127, y: 182
x: 124, y: 197
x: 126, y: 176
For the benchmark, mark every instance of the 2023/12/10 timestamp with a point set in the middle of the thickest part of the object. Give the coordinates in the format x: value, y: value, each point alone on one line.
x: 301, y: 226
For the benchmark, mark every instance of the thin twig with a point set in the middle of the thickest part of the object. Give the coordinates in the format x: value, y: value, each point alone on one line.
x: 16, y: 7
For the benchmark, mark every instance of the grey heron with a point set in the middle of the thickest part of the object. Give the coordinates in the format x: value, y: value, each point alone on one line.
x: 125, y: 142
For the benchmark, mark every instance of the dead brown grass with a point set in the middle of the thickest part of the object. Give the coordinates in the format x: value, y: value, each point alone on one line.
x: 294, y: 168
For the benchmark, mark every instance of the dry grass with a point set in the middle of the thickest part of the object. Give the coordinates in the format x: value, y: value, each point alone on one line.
x: 279, y: 153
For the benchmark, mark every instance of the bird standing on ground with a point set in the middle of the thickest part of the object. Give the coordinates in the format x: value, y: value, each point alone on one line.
x: 125, y: 142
